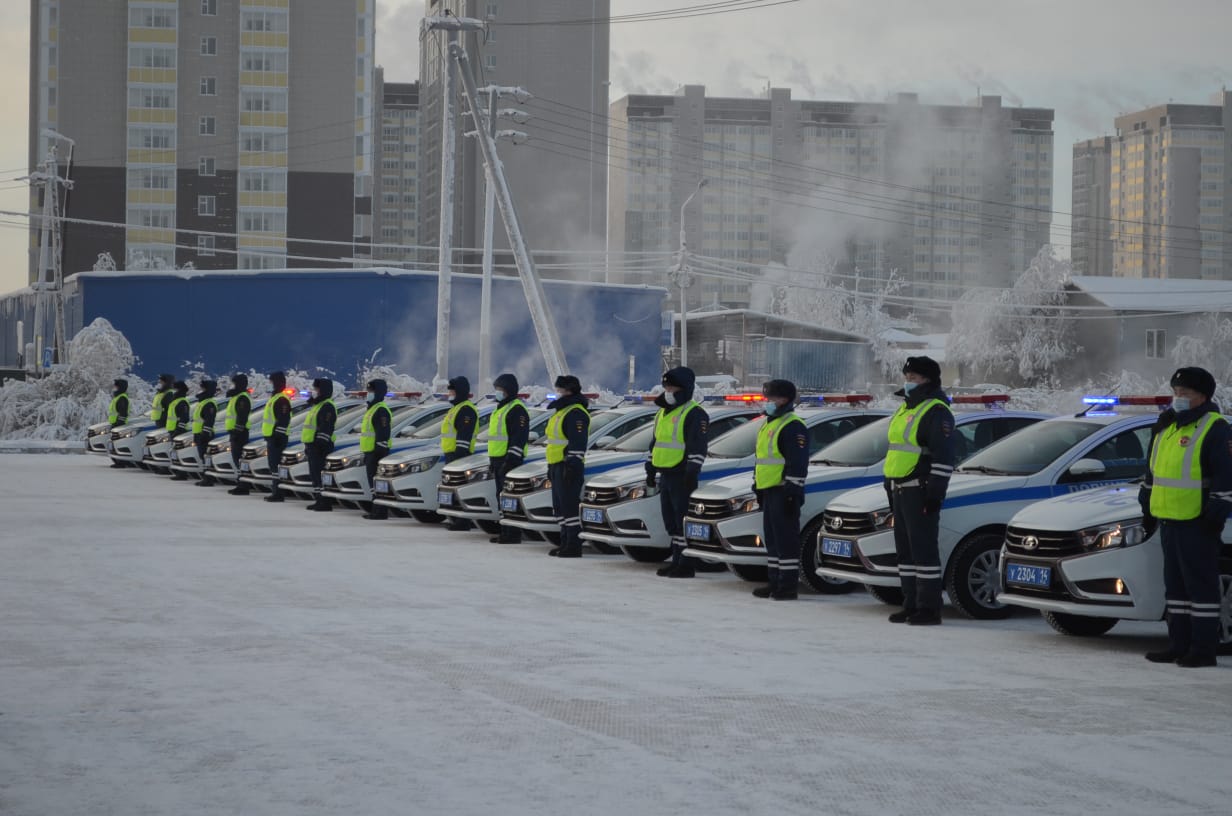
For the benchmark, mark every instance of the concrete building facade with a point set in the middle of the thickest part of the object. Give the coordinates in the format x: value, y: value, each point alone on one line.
x: 562, y: 170
x: 944, y: 196
x: 250, y: 120
x: 1092, y: 241
x: 396, y: 195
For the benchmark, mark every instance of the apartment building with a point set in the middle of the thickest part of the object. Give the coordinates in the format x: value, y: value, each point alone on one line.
x: 1092, y: 233
x: 396, y: 195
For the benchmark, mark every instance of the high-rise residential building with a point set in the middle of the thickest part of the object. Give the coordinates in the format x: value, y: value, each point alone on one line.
x: 1169, y: 197
x: 943, y: 196
x: 559, y: 177
x: 397, y: 171
x: 1091, y: 247
x: 217, y: 132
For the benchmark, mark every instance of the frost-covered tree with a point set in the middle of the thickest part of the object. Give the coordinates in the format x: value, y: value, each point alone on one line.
x: 105, y: 263
x: 141, y: 261
x: 1021, y: 332
x: 1210, y: 347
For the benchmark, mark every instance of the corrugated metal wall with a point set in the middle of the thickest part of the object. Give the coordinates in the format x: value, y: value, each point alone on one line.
x: 822, y: 365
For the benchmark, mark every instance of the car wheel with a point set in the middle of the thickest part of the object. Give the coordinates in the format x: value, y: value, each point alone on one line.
x: 892, y: 596
x: 427, y: 516
x: 1078, y: 625
x: 751, y: 572
x: 604, y: 549
x: 810, y: 559
x: 489, y: 527
x: 973, y: 580
x: 647, y: 555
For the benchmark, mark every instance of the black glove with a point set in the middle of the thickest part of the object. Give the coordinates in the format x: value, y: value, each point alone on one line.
x: 650, y: 477
x: 690, y: 481
x: 1144, y: 502
x: 761, y: 498
x: 794, y: 495
x: 1214, y: 517
x: 889, y: 493
x: 573, y: 467
x: 932, y: 505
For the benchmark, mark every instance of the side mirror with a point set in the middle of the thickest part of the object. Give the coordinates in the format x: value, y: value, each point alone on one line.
x: 604, y: 441
x: 1085, y: 469
x: 532, y: 436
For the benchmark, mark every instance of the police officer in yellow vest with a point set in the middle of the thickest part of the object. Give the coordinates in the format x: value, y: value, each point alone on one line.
x: 778, y: 482
x: 117, y: 410
x: 917, y: 471
x: 374, y: 434
x: 162, y: 398
x: 508, y: 433
x: 318, y: 437
x: 275, y: 425
x: 179, y: 415
x: 203, y: 412
x: 235, y: 423
x: 458, y: 432
x: 676, y: 456
x: 568, y: 437
x: 1188, y: 488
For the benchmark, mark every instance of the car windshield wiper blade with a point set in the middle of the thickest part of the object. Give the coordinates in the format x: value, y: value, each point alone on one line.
x: 830, y: 462
x: 984, y: 469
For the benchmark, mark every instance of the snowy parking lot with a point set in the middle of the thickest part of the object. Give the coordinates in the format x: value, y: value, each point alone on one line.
x: 167, y: 649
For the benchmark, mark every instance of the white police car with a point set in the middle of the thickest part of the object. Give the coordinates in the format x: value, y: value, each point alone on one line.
x: 619, y: 510
x: 254, y: 464
x: 156, y: 451
x: 218, y: 463
x: 126, y: 443
x: 97, y: 436
x: 183, y: 454
x: 1086, y: 561
x: 1059, y: 456
x: 725, y: 524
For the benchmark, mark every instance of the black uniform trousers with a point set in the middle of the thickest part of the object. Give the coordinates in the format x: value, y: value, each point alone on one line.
x: 567, y: 482
x: 316, y: 466
x: 781, y: 528
x: 203, y: 442
x: 1191, y: 586
x: 239, y: 439
x: 915, y: 543
x: 675, y: 486
x: 501, y: 465
x: 371, y: 460
x: 273, y: 458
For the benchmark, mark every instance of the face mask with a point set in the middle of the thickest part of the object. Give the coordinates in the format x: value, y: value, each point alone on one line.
x: 1180, y: 404
x: 500, y: 395
x: 771, y: 408
x: 561, y: 394
x: 316, y: 394
x: 371, y: 395
x: 669, y: 397
x: 908, y: 387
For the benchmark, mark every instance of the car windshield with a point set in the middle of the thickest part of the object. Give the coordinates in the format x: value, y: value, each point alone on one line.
x: 350, y: 417
x: 636, y: 441
x: 736, y: 443
x: 1031, y: 449
x: 861, y: 448
x: 598, y: 421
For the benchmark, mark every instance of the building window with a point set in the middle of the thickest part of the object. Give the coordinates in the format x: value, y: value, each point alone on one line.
x: 492, y: 9
x: 489, y: 62
x: 205, y: 244
x: 209, y: 46
x: 206, y: 125
x: 209, y: 8
x: 205, y: 205
x: 209, y: 86
x: 1154, y: 344
x: 205, y: 167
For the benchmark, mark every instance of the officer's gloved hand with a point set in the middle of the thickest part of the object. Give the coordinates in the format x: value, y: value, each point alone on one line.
x: 758, y: 494
x: 1214, y: 517
x: 650, y: 476
x: 932, y: 505
x: 794, y: 494
x: 1144, y: 502
x: 691, y: 479
x: 573, y: 468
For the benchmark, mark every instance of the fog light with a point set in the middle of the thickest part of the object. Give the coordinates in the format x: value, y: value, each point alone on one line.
x: 1120, y: 587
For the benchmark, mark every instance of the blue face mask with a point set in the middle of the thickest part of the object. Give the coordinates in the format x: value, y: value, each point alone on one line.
x: 500, y: 394
x: 771, y: 408
x: 908, y: 387
x: 1180, y: 404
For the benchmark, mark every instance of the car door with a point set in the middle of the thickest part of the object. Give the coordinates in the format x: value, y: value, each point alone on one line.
x: 1123, y: 455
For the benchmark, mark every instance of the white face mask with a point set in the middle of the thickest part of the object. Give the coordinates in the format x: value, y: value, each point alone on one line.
x: 500, y: 395
x: 669, y: 397
x: 561, y: 393
x: 1180, y: 404
x: 316, y: 393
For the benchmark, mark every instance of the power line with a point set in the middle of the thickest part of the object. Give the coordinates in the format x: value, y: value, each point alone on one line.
x: 679, y: 13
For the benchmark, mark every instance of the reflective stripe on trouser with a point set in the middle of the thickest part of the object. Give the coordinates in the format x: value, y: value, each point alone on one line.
x: 915, y: 544
x: 239, y: 438
x: 316, y: 465
x: 781, y: 527
x: 1191, y: 586
x: 273, y: 458
x: 673, y: 505
x: 501, y: 466
x: 566, y: 498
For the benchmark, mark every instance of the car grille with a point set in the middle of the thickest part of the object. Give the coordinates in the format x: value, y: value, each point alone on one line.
x: 334, y: 464
x: 453, y: 479
x: 709, y: 509
x: 253, y: 454
x: 1042, y: 543
x: 601, y: 495
x: 519, y: 487
x: 290, y: 459
x: 848, y: 523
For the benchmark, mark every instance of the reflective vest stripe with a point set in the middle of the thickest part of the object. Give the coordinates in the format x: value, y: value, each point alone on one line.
x: 449, y: 428
x: 268, y: 421
x: 905, y: 451
x: 309, y: 432
x: 1176, y: 470
x: 172, y: 421
x: 198, y: 420
x: 669, y: 444
x: 557, y: 441
x: 113, y: 410
x: 156, y: 412
x: 498, y: 431
x: 770, y: 464
x: 232, y: 415
x: 367, y: 431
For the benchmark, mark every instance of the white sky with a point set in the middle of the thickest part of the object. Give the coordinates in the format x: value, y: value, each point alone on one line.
x: 1088, y: 59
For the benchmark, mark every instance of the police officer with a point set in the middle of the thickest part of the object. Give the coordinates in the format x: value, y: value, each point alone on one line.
x: 235, y: 423
x: 275, y: 420
x: 917, y: 473
x: 374, y: 434
x: 458, y: 431
x: 317, y: 435
x: 178, y: 413
x: 778, y: 482
x: 203, y: 413
x: 162, y: 398
x: 676, y: 455
x: 508, y: 432
x: 117, y: 410
x: 1189, y: 489
x: 568, y: 435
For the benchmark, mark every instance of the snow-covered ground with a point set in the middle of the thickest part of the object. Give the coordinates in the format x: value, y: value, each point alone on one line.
x: 166, y: 649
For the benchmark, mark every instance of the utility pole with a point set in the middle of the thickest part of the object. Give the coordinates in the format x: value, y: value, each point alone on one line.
x: 50, y: 283
x: 541, y: 318
x: 449, y: 141
x: 682, y: 277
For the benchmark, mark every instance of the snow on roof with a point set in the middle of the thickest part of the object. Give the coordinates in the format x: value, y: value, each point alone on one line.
x: 695, y: 317
x: 1157, y: 294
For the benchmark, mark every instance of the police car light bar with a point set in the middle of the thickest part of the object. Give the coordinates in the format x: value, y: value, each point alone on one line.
x: 290, y: 392
x: 837, y: 399
x: 981, y: 399
x: 643, y: 398
x: 743, y: 398
x: 1158, y: 401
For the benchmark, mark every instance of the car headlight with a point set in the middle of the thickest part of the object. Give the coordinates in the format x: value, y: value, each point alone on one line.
x: 296, y: 458
x: 883, y: 519
x: 637, y: 490
x: 354, y: 460
x: 746, y: 503
x: 479, y: 474
x: 185, y: 441
x: 123, y: 434
x: 219, y: 447
x: 422, y: 466
x: 158, y: 438
x: 1111, y: 536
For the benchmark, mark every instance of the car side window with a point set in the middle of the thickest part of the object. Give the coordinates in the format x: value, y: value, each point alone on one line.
x: 717, y: 427
x: 1124, y: 455
x: 975, y: 436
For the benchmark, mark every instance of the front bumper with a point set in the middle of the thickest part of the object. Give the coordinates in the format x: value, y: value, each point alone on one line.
x: 157, y: 457
x: 529, y: 511
x: 346, y: 485
x: 1085, y: 584
x: 410, y: 491
x: 127, y: 450
x: 873, y: 560
x: 476, y: 501
x: 636, y: 522
x: 733, y: 539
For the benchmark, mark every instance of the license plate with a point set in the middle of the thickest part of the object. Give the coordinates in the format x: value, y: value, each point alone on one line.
x: 327, y: 479
x: 209, y: 461
x: 1028, y: 575
x: 592, y: 515
x: 509, y: 505
x: 284, y: 473
x: 444, y: 498
x: 836, y: 546
x: 246, y: 467
x: 382, y: 486
x: 699, y: 532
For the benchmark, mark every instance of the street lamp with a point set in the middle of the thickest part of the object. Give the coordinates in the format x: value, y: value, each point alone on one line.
x: 683, y: 278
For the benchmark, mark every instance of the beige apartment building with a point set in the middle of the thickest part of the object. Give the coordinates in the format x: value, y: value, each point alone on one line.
x: 217, y: 132
x: 1092, y: 240
x: 395, y: 199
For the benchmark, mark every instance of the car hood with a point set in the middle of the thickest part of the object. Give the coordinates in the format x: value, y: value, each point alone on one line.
x: 415, y: 453
x: 1077, y: 511
x: 475, y: 460
x: 725, y: 488
x: 618, y: 477
x: 529, y: 470
x: 829, y: 473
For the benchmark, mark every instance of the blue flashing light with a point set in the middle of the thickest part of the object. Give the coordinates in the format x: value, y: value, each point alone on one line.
x: 1101, y: 400
x: 811, y: 399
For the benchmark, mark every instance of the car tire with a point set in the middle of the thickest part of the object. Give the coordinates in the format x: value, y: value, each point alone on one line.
x: 891, y: 596
x: 489, y: 527
x: 427, y: 516
x: 973, y: 578
x: 751, y: 572
x: 603, y: 549
x: 1078, y: 625
x: 647, y: 555
x: 809, y: 561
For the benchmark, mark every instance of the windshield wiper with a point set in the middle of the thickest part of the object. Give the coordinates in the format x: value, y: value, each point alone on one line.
x: 830, y: 462
x: 985, y: 470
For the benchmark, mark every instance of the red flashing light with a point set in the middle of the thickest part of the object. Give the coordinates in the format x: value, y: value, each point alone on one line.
x: 290, y: 392
x: 407, y: 394
x: 850, y: 399
x: 1162, y: 400
x: 981, y: 399
x: 744, y: 398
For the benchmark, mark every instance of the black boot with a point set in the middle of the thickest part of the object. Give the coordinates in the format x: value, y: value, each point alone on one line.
x: 570, y: 552
x: 785, y: 595
x: 320, y: 504
x: 555, y: 551
x: 178, y: 477
x: 376, y: 512
x: 902, y: 616
x: 1194, y: 660
x: 240, y: 490
x: 118, y: 465
x: 925, y: 617
x: 204, y: 481
x: 763, y: 592
x: 275, y: 495
x: 1164, y: 656
x: 682, y: 570
x: 663, y: 572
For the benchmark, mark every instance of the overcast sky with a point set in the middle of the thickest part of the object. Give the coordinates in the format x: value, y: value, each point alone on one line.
x: 1088, y: 59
